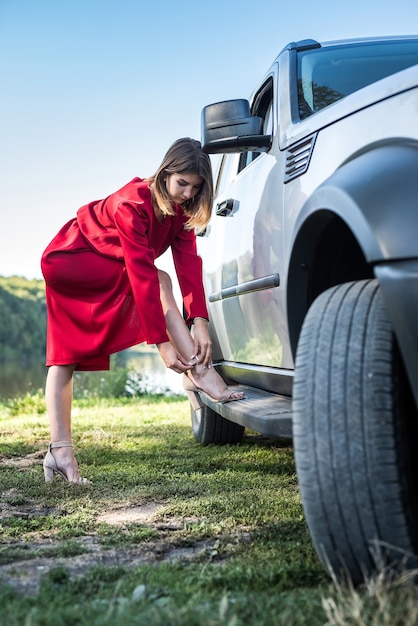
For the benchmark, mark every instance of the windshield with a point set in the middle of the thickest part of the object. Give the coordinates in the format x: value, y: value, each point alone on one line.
x: 326, y: 75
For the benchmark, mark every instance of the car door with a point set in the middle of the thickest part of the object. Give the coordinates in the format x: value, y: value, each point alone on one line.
x: 243, y: 247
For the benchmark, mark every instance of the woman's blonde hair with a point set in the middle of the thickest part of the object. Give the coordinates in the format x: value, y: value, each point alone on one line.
x: 185, y: 156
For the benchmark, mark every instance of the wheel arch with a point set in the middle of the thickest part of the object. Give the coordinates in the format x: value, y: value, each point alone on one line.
x: 364, y: 214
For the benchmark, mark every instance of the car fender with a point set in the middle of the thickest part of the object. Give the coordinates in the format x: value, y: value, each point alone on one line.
x: 375, y: 196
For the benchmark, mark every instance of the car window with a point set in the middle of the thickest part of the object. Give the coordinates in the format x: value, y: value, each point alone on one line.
x: 262, y: 107
x: 227, y: 170
x: 326, y: 75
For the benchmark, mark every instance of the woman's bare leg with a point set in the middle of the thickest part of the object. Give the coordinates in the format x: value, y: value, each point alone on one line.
x: 177, y: 330
x: 58, y: 396
x: 206, y: 378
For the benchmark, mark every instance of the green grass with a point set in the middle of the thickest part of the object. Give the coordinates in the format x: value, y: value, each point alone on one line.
x: 222, y: 540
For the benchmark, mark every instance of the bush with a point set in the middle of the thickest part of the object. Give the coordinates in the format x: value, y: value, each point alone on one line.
x: 115, y: 383
x: 31, y: 403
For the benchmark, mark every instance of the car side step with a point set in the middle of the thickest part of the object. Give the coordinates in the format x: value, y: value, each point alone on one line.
x: 264, y: 412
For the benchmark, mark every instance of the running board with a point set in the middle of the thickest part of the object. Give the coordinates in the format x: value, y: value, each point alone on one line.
x: 264, y: 412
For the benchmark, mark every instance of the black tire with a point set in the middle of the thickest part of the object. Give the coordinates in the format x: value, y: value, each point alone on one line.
x: 355, y: 433
x: 211, y: 428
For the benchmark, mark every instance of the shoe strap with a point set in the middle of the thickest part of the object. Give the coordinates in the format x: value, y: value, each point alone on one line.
x: 61, y: 444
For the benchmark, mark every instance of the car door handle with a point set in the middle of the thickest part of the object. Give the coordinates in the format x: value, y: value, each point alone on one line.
x: 227, y: 207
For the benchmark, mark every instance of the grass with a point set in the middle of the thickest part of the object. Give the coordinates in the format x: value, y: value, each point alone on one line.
x: 169, y: 533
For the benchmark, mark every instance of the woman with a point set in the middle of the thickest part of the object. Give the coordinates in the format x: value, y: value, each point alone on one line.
x: 104, y: 293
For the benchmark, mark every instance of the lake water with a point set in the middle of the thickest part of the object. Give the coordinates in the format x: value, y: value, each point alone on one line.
x: 17, y: 378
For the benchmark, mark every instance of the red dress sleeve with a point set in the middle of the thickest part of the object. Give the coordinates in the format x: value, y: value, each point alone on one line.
x: 139, y: 258
x: 188, y: 266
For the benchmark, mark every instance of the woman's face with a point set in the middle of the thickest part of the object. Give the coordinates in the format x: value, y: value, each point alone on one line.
x: 182, y: 187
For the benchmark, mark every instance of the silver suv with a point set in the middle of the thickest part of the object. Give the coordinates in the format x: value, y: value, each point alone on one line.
x: 311, y: 272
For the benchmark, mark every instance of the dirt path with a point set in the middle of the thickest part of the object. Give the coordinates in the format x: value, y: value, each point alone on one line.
x: 25, y: 575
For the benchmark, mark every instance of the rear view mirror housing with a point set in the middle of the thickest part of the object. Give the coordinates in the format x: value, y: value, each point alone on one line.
x: 228, y: 126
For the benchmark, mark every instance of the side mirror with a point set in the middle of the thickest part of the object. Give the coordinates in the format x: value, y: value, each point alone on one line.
x: 229, y: 127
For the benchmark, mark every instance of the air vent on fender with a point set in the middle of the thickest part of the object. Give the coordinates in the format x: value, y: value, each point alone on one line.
x: 298, y: 157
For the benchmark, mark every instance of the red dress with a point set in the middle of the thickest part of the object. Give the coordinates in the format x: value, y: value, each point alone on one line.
x: 102, y: 287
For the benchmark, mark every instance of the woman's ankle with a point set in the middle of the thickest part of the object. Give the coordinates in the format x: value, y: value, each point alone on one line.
x: 199, y: 371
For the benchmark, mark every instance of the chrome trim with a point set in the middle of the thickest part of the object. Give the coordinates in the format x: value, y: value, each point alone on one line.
x: 258, y: 284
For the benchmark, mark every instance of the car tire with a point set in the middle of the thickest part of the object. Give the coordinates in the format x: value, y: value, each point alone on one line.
x: 355, y: 432
x: 211, y: 428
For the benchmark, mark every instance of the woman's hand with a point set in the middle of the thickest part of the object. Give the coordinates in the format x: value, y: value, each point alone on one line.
x: 171, y: 358
x: 202, y: 351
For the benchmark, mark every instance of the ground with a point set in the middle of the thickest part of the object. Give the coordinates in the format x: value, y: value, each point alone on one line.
x: 25, y: 575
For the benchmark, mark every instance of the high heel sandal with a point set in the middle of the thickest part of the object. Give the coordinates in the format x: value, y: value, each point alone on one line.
x: 193, y: 391
x: 51, y: 467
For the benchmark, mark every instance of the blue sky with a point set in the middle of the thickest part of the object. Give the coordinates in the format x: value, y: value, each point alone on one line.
x: 93, y: 92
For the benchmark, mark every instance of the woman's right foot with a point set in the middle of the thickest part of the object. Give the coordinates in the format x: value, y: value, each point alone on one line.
x: 63, y: 463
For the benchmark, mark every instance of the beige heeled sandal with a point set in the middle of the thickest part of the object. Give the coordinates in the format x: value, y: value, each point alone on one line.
x: 51, y: 467
x: 192, y: 390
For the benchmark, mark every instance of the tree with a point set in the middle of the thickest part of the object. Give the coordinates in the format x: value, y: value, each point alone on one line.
x: 22, y: 319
